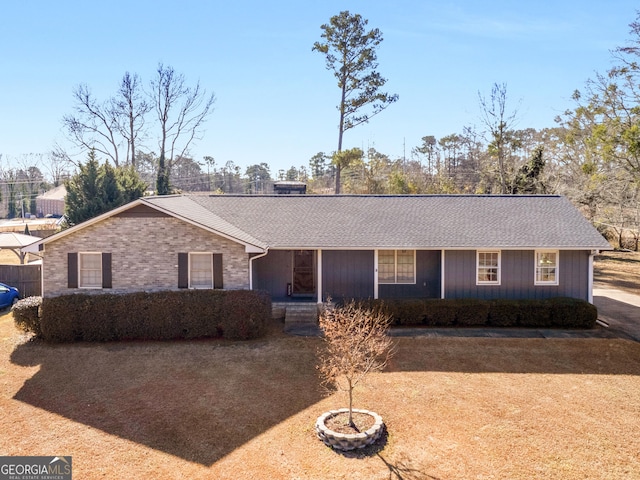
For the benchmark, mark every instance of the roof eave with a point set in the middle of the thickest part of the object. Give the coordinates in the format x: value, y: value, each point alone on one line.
x: 35, y: 247
x: 86, y: 223
x: 249, y: 247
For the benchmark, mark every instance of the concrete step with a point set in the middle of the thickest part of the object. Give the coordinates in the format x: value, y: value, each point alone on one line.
x: 301, y: 313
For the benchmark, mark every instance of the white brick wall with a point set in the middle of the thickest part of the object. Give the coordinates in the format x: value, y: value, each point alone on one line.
x: 144, y: 254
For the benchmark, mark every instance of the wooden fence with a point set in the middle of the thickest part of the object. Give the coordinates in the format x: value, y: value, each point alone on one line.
x: 26, y: 278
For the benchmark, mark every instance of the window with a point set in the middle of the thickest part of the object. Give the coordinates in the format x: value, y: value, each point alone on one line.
x: 546, y: 267
x: 90, y: 270
x: 396, y: 266
x: 200, y: 270
x: 488, y: 268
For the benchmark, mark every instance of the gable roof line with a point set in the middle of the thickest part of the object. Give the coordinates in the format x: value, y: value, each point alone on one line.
x: 230, y: 232
x: 86, y: 223
x: 142, y: 201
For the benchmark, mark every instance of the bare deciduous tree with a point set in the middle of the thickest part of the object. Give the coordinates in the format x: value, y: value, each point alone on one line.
x: 355, y: 344
x: 129, y: 109
x: 93, y: 125
x: 181, y: 112
x: 109, y: 126
x: 500, y: 124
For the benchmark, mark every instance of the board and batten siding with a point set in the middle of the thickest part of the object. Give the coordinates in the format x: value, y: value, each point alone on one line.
x: 144, y: 254
x: 427, y: 279
x: 347, y: 274
x: 517, y: 276
x: 273, y: 272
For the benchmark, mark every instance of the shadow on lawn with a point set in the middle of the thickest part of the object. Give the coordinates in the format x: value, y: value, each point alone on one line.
x: 593, y: 356
x: 202, y: 400
x: 196, y: 400
x: 400, y: 470
x: 404, y: 471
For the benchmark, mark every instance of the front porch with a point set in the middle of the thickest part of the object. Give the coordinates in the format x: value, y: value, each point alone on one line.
x: 313, y: 276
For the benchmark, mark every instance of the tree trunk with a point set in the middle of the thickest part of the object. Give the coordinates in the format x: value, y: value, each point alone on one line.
x: 133, y: 143
x: 351, y: 424
x: 340, y: 133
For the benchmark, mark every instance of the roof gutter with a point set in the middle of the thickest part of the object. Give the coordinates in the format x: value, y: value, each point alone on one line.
x: 251, y: 259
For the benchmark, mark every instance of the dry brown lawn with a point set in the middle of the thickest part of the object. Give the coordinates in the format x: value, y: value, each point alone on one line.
x: 617, y: 269
x: 456, y: 408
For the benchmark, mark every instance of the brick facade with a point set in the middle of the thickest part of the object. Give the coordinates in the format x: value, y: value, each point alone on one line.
x: 144, y: 254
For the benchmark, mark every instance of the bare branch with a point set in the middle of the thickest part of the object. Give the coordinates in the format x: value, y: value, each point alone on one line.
x: 355, y: 344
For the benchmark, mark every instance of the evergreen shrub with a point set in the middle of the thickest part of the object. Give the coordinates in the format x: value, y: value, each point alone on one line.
x: 559, y: 312
x: 26, y: 315
x: 167, y: 315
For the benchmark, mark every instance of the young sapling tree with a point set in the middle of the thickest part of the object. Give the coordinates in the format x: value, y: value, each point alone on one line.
x: 355, y: 344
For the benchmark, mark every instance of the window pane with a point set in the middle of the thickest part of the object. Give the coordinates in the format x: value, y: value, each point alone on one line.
x: 546, y: 267
x: 405, y: 266
x: 488, y: 267
x: 90, y: 270
x: 488, y: 259
x: 201, y: 270
x: 487, y: 274
x: 386, y: 266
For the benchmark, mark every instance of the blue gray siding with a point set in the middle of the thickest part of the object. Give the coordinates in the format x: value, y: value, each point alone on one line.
x: 427, y: 279
x: 347, y: 274
x: 273, y: 272
x: 517, y: 274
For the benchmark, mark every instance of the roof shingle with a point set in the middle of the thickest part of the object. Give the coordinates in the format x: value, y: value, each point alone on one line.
x: 390, y: 221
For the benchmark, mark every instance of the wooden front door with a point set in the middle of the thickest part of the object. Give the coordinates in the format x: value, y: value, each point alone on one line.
x: 304, y: 272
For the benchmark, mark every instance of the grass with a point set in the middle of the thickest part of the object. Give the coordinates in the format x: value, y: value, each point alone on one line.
x: 619, y: 270
x: 456, y: 408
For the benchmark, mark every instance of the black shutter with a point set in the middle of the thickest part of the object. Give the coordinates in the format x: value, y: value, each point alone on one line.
x: 217, y: 270
x: 183, y: 270
x: 106, y: 270
x: 72, y: 270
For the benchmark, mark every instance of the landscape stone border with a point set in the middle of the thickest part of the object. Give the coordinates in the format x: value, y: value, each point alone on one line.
x: 348, y: 441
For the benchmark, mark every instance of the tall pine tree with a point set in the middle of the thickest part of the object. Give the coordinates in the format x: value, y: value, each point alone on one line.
x: 350, y: 53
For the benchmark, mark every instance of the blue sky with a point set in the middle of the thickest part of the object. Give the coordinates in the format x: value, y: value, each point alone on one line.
x: 275, y: 101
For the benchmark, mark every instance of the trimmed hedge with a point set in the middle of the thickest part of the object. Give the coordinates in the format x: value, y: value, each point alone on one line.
x: 560, y: 312
x: 185, y: 314
x: 26, y: 315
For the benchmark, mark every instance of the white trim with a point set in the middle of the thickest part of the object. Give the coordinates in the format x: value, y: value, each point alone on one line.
x: 251, y: 259
x: 87, y: 223
x: 539, y: 283
x: 590, y: 275
x: 432, y: 248
x: 319, y: 274
x: 442, y: 274
x: 498, y: 281
x: 249, y: 248
x: 375, y: 274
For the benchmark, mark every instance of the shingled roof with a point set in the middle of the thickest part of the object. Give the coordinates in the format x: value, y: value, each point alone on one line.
x: 389, y: 221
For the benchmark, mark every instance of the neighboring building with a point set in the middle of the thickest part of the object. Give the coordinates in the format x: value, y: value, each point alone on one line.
x: 51, y: 202
x: 310, y: 247
x: 39, y: 227
x: 287, y: 187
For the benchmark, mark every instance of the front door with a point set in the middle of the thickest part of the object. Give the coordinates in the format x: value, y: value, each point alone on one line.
x: 304, y: 273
